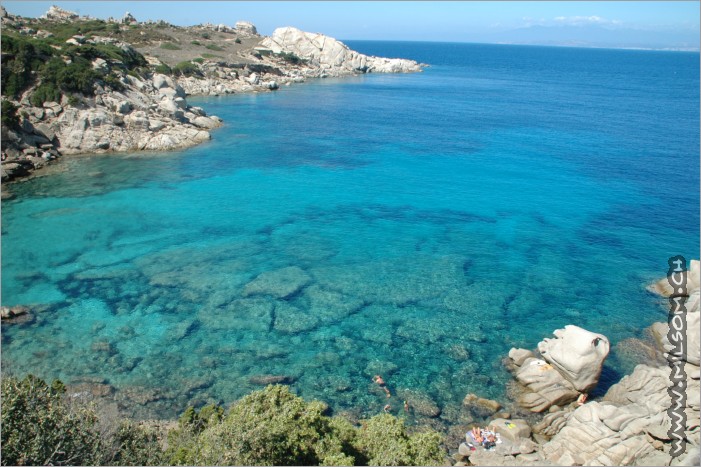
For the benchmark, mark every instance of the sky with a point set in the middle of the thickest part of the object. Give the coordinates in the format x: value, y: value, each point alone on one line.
x: 645, y: 24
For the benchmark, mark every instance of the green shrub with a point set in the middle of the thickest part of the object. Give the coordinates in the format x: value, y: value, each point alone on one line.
x: 186, y: 69
x: 74, y: 100
x: 169, y: 46
x: 45, y: 92
x: 39, y: 429
x: 113, y: 82
x: 163, y: 69
x: 206, y: 55
x: 135, y: 445
x: 21, y: 57
x: 9, y: 114
x: 425, y: 448
x: 214, y: 47
x: 64, y: 30
x: 268, y: 427
x: 384, y: 441
x: 275, y: 427
x: 238, y: 41
x: 58, y: 76
x: 205, y: 35
x: 197, y: 421
x: 196, y: 43
x: 198, y: 60
x: 31, y: 59
x: 289, y: 57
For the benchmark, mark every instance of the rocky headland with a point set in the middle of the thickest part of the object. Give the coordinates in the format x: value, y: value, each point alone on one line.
x: 124, y: 83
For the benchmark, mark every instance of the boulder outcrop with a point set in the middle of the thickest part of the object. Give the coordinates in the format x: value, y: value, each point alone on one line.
x: 570, y: 365
x: 59, y: 14
x: 576, y: 354
x: 149, y: 114
x: 246, y: 27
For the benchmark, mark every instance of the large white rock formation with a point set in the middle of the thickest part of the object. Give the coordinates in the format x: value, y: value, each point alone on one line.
x: 59, y: 14
x: 577, y: 354
x: 331, y: 55
x: 571, y: 364
x: 246, y: 27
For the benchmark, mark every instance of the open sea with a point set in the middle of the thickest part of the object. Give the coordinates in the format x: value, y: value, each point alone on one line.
x: 416, y: 226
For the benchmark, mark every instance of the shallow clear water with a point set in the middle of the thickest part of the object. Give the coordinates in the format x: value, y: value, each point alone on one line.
x: 416, y: 226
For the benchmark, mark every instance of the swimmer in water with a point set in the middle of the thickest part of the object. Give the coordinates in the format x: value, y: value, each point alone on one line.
x: 381, y: 382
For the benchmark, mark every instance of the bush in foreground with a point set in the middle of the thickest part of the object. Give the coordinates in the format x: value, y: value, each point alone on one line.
x: 275, y: 427
x: 40, y: 427
x: 268, y: 427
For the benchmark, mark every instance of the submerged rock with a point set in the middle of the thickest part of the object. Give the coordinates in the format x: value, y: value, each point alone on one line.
x: 421, y: 403
x: 480, y: 403
x: 264, y: 380
x: 292, y: 320
x: 280, y: 283
x: 253, y: 314
x: 330, y: 306
x: 89, y: 390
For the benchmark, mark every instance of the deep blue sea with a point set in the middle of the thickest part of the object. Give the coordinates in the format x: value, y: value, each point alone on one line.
x: 416, y: 226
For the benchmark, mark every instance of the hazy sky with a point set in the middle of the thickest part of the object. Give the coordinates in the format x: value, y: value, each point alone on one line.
x: 661, y: 24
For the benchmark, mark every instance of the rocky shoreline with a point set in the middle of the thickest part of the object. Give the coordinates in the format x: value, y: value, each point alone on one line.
x: 150, y: 110
x: 629, y: 425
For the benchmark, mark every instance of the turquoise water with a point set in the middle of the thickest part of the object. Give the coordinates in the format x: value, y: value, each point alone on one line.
x: 416, y: 226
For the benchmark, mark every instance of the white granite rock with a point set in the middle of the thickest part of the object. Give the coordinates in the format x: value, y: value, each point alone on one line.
x: 331, y: 55
x: 576, y: 354
x: 246, y: 27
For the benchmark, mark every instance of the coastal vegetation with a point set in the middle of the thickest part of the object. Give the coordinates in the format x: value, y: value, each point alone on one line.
x: 56, y: 71
x: 9, y: 115
x: 186, y: 68
x: 169, y: 46
x: 40, y: 426
x: 267, y: 427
